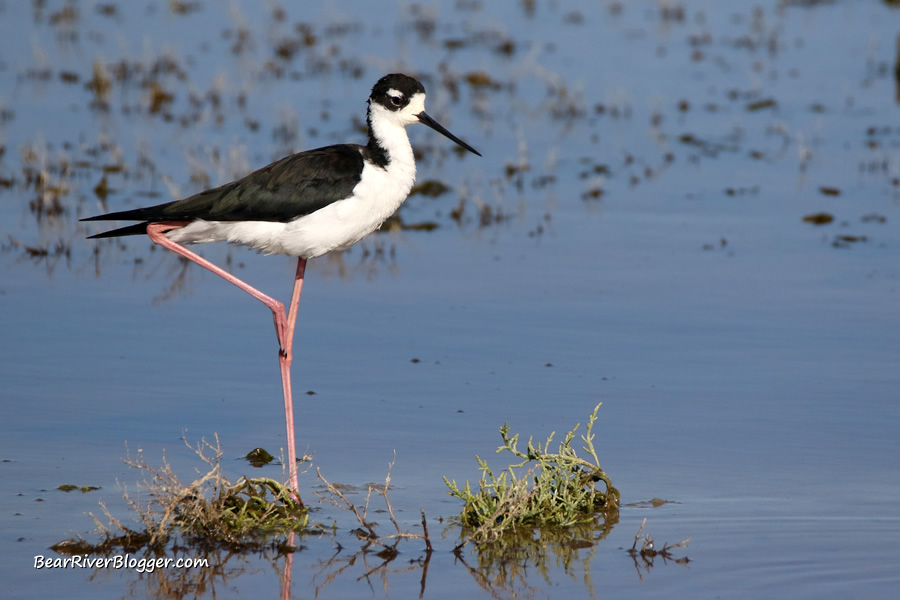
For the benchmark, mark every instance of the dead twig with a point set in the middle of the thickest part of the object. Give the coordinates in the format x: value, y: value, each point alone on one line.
x: 648, y: 551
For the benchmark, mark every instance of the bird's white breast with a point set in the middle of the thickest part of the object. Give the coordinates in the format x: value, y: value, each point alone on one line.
x: 379, y: 193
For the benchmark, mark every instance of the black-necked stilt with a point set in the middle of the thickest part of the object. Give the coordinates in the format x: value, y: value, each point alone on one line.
x: 303, y: 205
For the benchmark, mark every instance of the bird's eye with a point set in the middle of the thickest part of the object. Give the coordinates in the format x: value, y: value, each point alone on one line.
x: 396, y: 100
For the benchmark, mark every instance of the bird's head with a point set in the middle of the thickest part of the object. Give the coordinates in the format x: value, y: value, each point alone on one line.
x: 400, y: 100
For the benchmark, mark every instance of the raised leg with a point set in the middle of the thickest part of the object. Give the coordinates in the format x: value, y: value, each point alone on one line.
x: 284, y: 325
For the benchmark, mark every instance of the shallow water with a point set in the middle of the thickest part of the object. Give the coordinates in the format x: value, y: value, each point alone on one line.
x: 746, y: 359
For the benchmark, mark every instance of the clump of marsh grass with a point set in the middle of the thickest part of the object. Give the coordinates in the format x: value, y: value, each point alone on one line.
x: 556, y: 489
x: 213, y: 508
x: 210, y: 510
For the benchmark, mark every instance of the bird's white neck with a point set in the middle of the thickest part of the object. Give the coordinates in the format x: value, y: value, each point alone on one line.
x: 389, y: 135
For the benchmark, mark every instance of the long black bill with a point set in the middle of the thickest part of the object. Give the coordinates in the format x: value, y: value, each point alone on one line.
x: 424, y: 119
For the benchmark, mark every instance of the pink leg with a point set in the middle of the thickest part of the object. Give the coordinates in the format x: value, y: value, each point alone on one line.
x: 285, y: 357
x: 284, y: 325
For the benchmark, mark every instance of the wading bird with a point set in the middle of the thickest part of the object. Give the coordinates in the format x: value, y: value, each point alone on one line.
x: 304, y: 205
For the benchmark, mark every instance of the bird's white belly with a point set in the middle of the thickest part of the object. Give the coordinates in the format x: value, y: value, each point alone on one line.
x: 337, y: 226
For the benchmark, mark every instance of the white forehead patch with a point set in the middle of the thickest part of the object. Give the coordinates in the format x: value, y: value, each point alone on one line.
x: 393, y: 92
x: 416, y: 103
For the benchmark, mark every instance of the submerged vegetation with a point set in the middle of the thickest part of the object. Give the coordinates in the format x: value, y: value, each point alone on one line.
x: 548, y: 511
x: 208, y: 511
x: 545, y: 489
x: 214, y: 509
x: 211, y: 511
x: 558, y: 493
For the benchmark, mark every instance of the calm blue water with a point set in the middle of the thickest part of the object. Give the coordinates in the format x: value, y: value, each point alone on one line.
x: 747, y: 366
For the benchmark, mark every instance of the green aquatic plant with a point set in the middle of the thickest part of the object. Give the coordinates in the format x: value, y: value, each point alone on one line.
x: 210, y: 510
x: 259, y: 457
x: 556, y: 489
x: 214, y: 509
x: 249, y: 507
x: 68, y: 487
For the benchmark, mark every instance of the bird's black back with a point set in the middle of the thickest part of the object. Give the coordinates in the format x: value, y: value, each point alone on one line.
x: 289, y: 188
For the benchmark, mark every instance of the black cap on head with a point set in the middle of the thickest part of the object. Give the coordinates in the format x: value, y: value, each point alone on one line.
x: 406, y: 85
